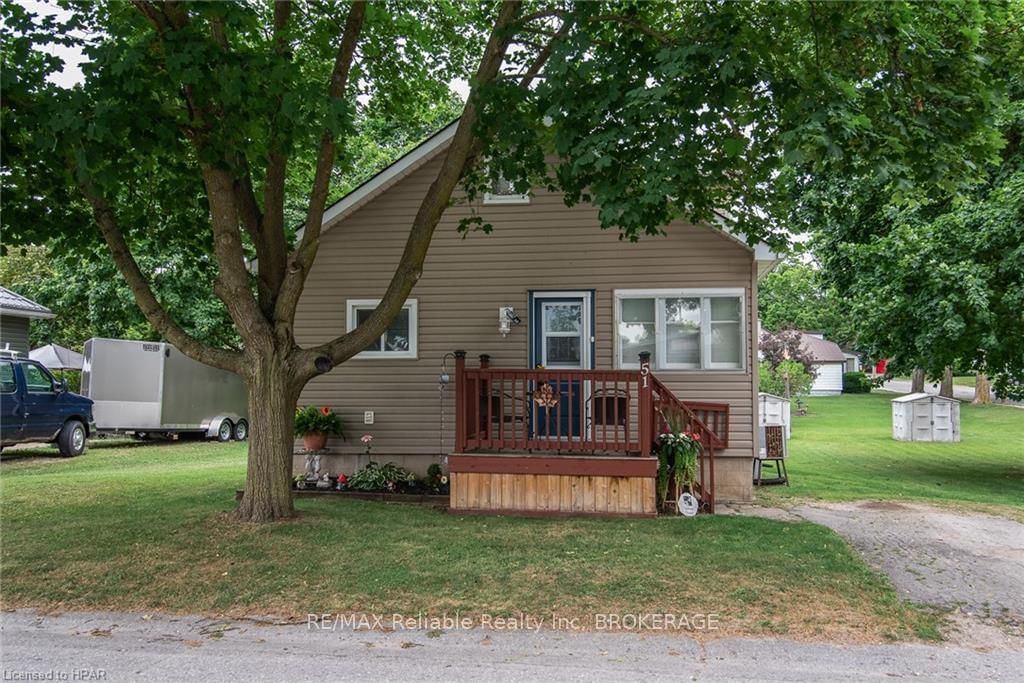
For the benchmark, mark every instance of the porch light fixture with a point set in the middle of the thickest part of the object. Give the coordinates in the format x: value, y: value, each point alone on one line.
x: 506, y: 319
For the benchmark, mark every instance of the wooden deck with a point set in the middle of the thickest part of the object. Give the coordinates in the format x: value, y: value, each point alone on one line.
x: 550, y: 442
x: 536, y: 485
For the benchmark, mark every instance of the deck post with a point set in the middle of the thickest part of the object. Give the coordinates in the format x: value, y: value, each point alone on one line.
x: 645, y: 406
x: 460, y: 401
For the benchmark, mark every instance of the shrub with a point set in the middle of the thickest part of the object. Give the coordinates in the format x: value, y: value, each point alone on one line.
x: 313, y: 420
x: 386, y: 477
x: 788, y: 379
x: 856, y: 383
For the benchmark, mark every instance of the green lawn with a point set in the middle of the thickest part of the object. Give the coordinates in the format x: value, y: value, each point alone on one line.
x: 143, y: 528
x: 843, y: 450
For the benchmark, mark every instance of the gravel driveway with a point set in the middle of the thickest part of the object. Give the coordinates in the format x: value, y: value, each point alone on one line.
x: 934, y: 556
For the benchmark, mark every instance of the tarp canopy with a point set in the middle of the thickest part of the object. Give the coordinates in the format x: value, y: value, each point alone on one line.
x: 57, y: 357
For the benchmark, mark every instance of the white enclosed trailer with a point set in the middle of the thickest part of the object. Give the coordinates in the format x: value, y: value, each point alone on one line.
x: 923, y: 417
x: 148, y: 388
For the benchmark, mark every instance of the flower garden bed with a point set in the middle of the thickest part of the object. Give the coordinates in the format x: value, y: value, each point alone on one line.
x: 386, y: 497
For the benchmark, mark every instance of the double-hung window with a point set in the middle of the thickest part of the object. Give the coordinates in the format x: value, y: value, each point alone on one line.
x: 398, y: 341
x: 687, y: 329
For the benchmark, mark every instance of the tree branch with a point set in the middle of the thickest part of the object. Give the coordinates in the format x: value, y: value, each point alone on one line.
x: 229, y: 193
x: 232, y: 286
x: 264, y: 229
x: 275, y: 252
x: 633, y: 23
x: 459, y: 156
x: 164, y: 16
x: 154, y: 312
x: 544, y: 54
x: 301, y: 261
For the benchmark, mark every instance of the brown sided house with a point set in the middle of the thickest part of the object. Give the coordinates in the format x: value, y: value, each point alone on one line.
x: 539, y: 329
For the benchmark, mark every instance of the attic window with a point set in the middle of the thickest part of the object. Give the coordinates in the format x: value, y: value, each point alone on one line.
x: 503, y: 192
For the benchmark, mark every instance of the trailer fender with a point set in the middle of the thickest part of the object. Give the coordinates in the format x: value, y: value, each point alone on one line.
x: 212, y: 426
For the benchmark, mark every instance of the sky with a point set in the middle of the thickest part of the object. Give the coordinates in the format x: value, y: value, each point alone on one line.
x: 71, y: 75
x: 72, y: 57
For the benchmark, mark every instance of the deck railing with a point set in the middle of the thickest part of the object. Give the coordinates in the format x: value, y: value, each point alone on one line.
x: 569, y: 410
x: 547, y: 410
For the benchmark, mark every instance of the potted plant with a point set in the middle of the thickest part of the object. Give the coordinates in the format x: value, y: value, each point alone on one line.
x: 315, y: 425
x: 677, y: 458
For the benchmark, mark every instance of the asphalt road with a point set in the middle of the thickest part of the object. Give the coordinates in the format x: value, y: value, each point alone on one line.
x: 121, y: 647
x: 899, y: 386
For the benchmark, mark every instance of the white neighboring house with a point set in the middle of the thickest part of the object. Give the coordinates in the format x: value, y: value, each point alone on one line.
x: 829, y: 363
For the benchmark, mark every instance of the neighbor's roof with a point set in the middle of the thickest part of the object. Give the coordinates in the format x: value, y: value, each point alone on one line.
x: 821, y: 350
x: 17, y: 306
x: 437, y: 143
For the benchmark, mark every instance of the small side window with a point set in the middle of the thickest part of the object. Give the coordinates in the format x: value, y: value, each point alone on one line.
x: 8, y: 385
x: 398, y: 341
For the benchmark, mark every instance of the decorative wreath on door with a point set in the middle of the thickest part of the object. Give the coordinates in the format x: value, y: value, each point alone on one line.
x: 544, y: 396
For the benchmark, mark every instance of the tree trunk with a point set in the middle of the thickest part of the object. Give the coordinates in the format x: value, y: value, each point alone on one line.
x: 946, y: 386
x: 917, y: 381
x: 273, y: 396
x: 982, y: 389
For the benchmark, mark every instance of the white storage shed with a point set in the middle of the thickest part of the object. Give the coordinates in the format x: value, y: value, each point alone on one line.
x: 773, y: 410
x: 923, y: 417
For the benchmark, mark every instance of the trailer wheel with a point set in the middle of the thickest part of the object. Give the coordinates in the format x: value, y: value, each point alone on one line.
x: 71, y: 440
x: 241, y: 430
x: 225, y: 430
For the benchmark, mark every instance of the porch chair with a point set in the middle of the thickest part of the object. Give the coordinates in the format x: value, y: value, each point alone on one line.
x: 609, y: 407
x: 772, y: 453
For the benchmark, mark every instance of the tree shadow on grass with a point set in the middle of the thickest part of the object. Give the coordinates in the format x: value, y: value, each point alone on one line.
x: 43, y: 451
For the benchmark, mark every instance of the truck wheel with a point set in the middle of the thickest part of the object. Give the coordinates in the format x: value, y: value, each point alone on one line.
x: 71, y: 440
x: 225, y: 431
x: 241, y: 430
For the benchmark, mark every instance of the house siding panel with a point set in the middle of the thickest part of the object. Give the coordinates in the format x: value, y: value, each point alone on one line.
x: 14, y: 331
x: 541, y: 246
x: 829, y: 381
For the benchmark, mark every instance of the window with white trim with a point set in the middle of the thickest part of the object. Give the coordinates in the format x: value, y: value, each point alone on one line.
x: 503, y: 192
x: 398, y: 341
x: 695, y: 329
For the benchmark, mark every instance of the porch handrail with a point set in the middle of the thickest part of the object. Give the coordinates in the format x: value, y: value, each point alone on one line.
x: 666, y: 402
x: 696, y: 413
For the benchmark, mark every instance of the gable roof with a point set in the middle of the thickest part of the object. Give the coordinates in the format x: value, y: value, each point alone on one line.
x: 17, y: 306
x: 437, y: 143
x: 821, y: 350
x: 388, y: 176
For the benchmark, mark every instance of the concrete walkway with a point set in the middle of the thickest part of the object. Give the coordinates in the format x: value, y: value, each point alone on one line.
x: 123, y: 647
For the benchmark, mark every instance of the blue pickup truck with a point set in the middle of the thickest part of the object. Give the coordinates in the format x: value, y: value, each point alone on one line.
x: 36, y: 407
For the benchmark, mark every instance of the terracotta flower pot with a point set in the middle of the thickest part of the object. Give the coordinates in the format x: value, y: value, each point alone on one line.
x: 314, y: 441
